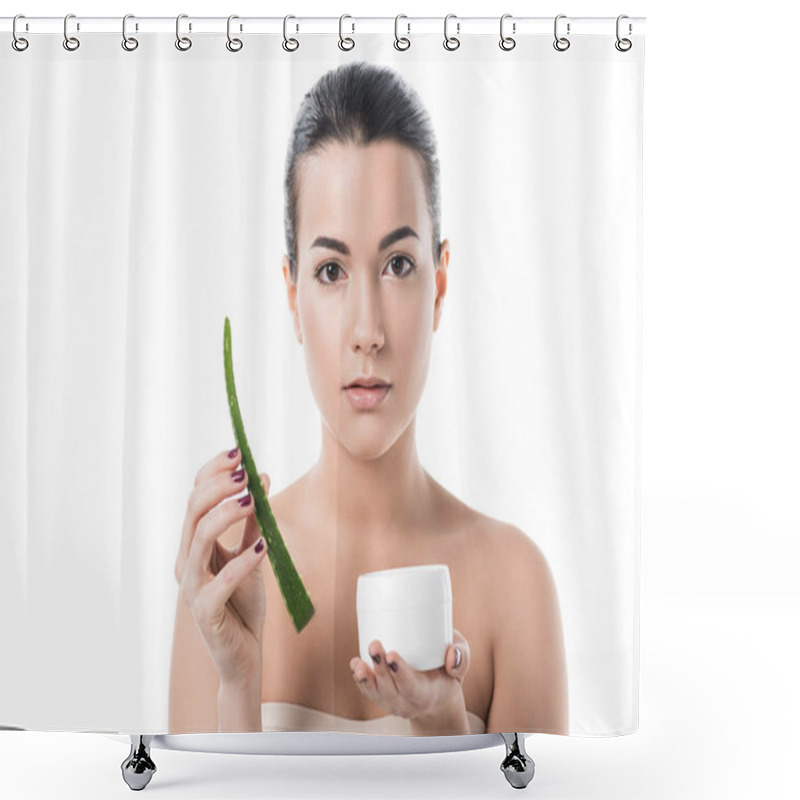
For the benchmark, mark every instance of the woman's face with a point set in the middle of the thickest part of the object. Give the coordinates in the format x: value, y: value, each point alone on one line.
x: 368, y: 294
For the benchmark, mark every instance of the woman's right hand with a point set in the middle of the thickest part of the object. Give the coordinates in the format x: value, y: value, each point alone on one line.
x: 224, y: 588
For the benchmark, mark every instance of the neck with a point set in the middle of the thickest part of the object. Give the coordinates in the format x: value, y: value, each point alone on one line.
x: 377, y: 497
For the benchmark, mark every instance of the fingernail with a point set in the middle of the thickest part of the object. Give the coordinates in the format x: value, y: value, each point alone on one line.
x: 458, y: 658
x: 392, y: 666
x: 232, y: 453
x: 377, y: 658
x: 238, y: 476
x: 259, y: 545
x: 244, y: 501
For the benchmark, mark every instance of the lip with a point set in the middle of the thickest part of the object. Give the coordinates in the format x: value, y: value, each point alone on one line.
x: 362, y: 397
x: 368, y: 383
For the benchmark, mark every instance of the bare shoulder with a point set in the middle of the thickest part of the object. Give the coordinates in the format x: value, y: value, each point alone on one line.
x: 520, y: 551
x: 498, y: 545
x: 496, y: 554
x: 512, y: 557
x: 291, y: 496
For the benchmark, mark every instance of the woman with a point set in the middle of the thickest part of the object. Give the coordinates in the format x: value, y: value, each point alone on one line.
x: 366, y: 277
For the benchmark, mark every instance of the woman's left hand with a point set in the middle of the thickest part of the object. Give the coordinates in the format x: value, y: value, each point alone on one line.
x: 411, y: 693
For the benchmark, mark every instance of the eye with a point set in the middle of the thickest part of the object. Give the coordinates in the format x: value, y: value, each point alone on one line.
x: 327, y: 268
x: 400, y: 259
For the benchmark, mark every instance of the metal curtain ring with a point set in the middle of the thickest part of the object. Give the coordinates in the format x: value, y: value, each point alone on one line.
x: 561, y: 43
x: 401, y: 43
x: 451, y: 42
x: 129, y: 43
x: 345, y: 43
x: 70, y: 42
x: 506, y: 42
x: 623, y: 45
x: 234, y: 45
x: 286, y: 41
x: 181, y: 42
x: 18, y: 42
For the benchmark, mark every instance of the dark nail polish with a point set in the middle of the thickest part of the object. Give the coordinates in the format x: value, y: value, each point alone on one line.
x: 232, y: 453
x: 392, y: 666
x: 377, y: 658
x: 244, y: 501
x: 238, y: 476
x: 260, y: 545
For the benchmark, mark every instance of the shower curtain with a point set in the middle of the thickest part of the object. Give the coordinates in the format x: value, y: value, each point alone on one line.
x: 390, y: 280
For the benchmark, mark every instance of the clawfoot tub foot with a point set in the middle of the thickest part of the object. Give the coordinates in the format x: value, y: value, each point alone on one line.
x: 138, y: 767
x: 517, y: 766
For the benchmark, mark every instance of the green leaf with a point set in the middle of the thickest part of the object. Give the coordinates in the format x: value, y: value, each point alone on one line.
x: 294, y: 592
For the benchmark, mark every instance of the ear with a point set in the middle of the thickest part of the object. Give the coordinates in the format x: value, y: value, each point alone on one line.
x: 291, y: 293
x: 441, y: 281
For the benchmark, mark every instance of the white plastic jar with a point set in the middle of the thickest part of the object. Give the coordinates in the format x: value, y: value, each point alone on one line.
x: 409, y: 610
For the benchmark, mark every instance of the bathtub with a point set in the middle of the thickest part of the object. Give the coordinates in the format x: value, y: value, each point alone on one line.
x: 138, y: 767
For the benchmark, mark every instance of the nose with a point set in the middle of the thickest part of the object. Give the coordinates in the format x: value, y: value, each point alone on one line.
x: 367, y: 322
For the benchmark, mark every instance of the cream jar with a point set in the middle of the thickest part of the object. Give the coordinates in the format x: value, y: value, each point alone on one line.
x: 409, y: 610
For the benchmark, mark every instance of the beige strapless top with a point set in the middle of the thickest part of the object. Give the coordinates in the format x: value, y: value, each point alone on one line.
x: 277, y: 716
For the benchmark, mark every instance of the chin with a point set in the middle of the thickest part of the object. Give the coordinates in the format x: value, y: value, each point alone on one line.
x: 365, y: 448
x: 368, y: 436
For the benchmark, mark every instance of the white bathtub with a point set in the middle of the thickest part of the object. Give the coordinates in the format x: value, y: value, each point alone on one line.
x: 138, y: 767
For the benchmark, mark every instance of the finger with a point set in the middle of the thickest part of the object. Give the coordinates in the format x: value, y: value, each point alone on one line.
x: 226, y: 460
x: 216, y: 594
x: 209, y: 529
x: 221, y: 555
x: 364, y: 678
x: 384, y: 674
x: 252, y: 533
x: 207, y: 493
x: 403, y: 677
x: 457, y: 658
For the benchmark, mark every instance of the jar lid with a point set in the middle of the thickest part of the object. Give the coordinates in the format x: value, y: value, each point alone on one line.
x: 405, y: 587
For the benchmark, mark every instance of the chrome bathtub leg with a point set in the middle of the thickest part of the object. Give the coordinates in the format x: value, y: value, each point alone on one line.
x: 138, y: 767
x: 517, y: 766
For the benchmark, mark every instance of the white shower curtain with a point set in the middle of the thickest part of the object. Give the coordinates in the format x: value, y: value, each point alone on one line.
x: 143, y: 203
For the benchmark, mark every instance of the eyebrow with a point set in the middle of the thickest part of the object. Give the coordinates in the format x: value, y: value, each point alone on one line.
x: 389, y: 239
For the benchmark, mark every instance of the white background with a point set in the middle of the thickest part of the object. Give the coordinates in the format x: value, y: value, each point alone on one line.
x: 720, y: 606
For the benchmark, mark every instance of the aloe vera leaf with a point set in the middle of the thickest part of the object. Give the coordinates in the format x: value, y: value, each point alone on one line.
x: 294, y: 593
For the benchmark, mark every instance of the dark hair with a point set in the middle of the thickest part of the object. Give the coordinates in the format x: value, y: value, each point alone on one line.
x: 360, y: 103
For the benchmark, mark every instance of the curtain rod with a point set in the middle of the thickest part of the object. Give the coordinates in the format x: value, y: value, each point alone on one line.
x: 327, y: 25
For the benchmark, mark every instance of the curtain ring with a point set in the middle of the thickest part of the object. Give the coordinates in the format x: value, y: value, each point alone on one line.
x: 70, y: 42
x: 129, y: 43
x: 451, y: 42
x: 342, y: 40
x: 401, y: 43
x: 623, y: 45
x: 181, y: 42
x: 506, y: 42
x: 350, y: 43
x: 234, y: 45
x: 560, y: 40
x: 294, y: 43
x: 18, y: 42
